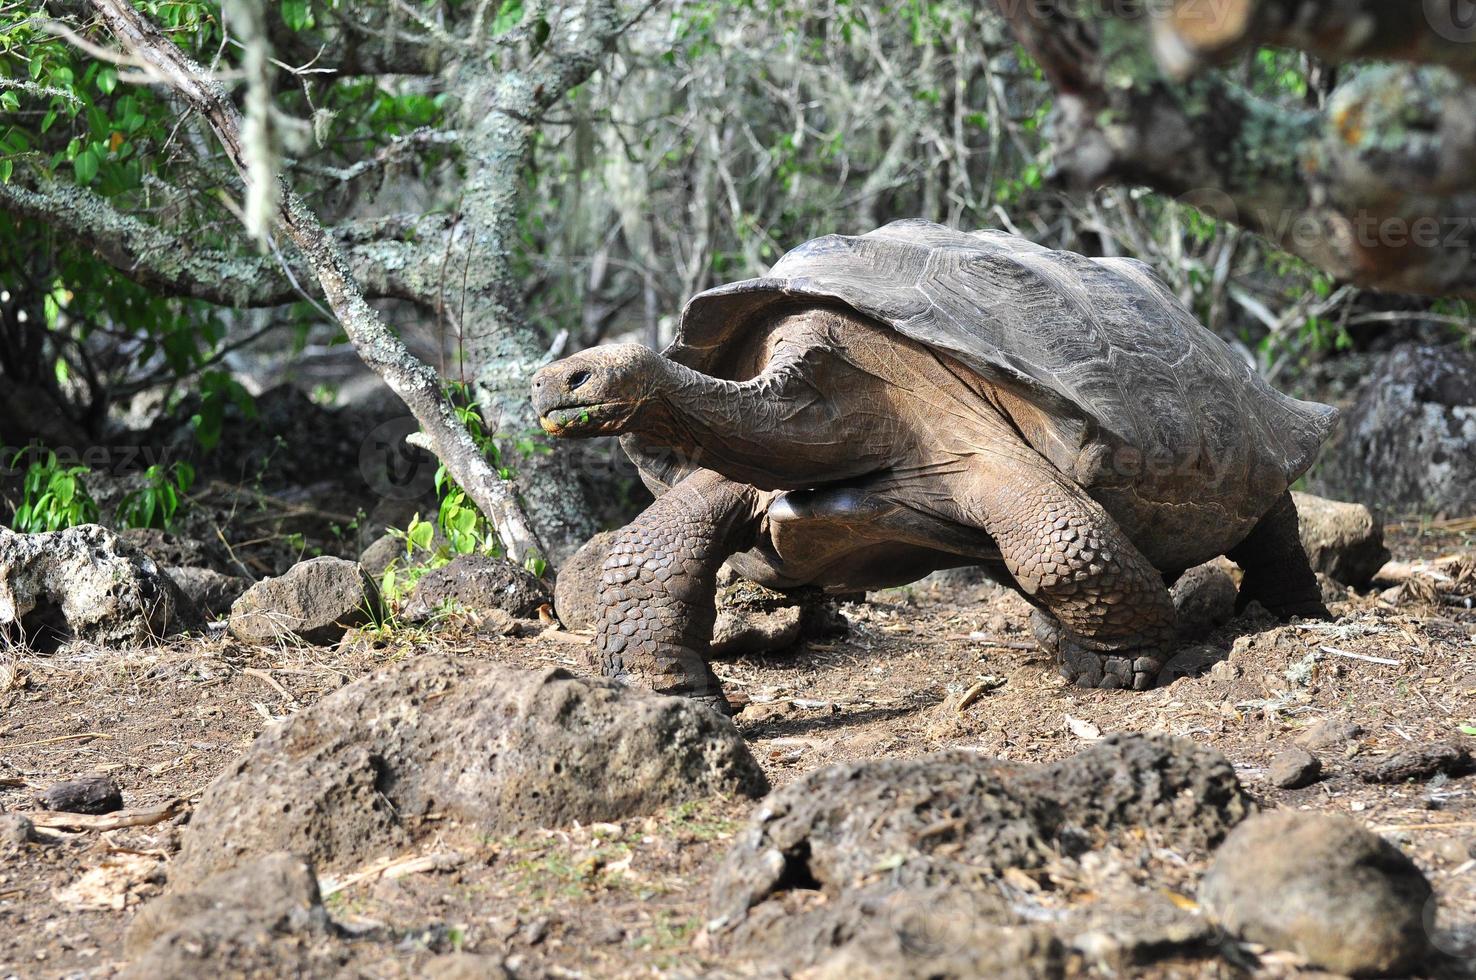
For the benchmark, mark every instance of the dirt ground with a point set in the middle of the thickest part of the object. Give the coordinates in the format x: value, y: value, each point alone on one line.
x: 924, y: 668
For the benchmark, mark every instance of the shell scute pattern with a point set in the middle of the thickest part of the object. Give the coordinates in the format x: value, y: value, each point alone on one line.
x: 1128, y: 376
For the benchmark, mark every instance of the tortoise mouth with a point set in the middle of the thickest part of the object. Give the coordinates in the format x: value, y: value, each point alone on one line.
x: 594, y: 419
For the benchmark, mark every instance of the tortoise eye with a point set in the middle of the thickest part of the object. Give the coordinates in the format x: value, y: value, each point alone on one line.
x: 578, y: 379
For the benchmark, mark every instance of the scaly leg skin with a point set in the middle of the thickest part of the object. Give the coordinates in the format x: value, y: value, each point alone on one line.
x: 1277, y: 572
x: 658, y: 584
x: 1102, y: 608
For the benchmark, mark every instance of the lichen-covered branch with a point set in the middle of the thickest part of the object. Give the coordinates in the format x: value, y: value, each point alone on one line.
x: 498, y: 114
x: 385, y: 263
x: 1375, y: 189
x: 383, y: 351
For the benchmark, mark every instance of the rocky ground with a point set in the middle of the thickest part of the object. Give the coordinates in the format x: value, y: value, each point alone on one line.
x: 439, y: 847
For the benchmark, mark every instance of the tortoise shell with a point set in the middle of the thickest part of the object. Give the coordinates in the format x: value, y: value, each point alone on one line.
x: 1137, y: 393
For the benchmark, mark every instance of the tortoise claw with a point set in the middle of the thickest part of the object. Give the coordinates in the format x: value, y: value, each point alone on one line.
x: 1135, y: 670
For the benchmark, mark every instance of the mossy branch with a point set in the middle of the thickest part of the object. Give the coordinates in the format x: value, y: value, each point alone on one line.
x: 1375, y: 188
x: 379, y: 347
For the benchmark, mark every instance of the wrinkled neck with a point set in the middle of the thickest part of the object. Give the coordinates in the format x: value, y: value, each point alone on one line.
x: 728, y: 426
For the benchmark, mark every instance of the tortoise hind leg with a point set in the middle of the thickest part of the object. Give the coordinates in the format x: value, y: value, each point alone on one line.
x: 1277, y: 573
x: 657, y: 586
x: 1102, y: 608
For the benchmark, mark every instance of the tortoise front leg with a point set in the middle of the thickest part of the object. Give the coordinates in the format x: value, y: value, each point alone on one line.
x: 1102, y: 608
x: 658, y: 583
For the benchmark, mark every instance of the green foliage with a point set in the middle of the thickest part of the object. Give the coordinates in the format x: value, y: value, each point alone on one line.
x: 54, y: 496
x: 157, y: 502
x: 66, y: 118
x: 218, y: 391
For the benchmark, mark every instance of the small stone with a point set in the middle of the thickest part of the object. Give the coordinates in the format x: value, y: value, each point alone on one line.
x: 1456, y: 850
x: 268, y: 912
x: 467, y: 966
x: 1323, y: 887
x: 478, y: 584
x: 316, y: 601
x: 535, y: 932
x: 1204, y: 598
x: 1330, y: 733
x: 16, y: 829
x: 1343, y: 541
x: 210, y: 591
x: 90, y: 794
x: 1293, y: 769
x: 740, y: 632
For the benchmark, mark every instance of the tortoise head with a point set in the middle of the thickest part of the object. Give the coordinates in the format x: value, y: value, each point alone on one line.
x: 602, y: 391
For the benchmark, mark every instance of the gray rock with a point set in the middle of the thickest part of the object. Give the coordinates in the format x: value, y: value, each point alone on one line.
x: 1204, y: 599
x: 1124, y: 930
x: 738, y: 632
x: 316, y: 601
x: 1293, y: 768
x: 1450, y: 758
x: 576, y: 590
x: 85, y: 583
x: 492, y: 749
x: 477, y: 583
x: 1409, y: 442
x: 212, y: 592
x: 1343, y: 541
x: 16, y: 829
x: 1456, y: 850
x: 936, y: 934
x: 956, y: 820
x: 1333, y: 732
x: 89, y: 794
x: 252, y: 918
x: 1324, y: 887
x: 383, y: 551
x: 467, y: 966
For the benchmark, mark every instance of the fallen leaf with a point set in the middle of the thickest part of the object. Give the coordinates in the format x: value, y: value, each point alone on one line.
x: 1083, y: 730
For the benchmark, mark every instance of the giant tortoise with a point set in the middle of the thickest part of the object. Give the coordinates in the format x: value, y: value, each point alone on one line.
x: 917, y: 398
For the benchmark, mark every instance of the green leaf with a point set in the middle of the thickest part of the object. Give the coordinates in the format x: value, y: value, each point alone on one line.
x: 1468, y: 729
x: 7, y: 168
x: 85, y: 165
x: 509, y: 15
x: 421, y: 534
x: 297, y: 14
x: 107, y: 80
x: 9, y: 101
